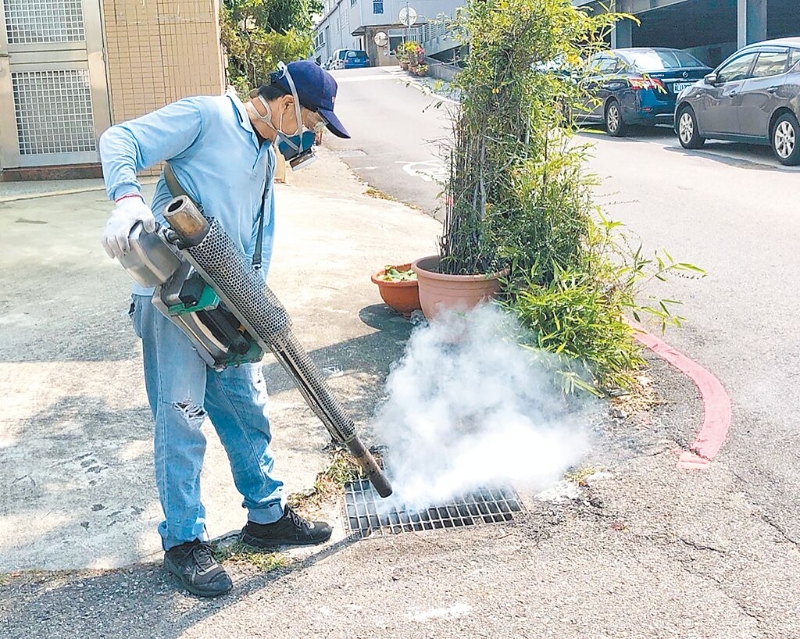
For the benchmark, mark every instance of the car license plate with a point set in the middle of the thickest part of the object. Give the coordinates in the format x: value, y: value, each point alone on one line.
x: 680, y: 86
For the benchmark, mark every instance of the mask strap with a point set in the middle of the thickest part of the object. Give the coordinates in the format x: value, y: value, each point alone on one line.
x: 265, y: 118
x: 287, y: 139
x: 285, y: 71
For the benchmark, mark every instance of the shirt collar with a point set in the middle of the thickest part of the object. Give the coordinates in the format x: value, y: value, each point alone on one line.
x: 241, y: 112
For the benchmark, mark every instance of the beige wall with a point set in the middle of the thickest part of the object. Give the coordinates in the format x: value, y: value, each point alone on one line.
x: 159, y: 51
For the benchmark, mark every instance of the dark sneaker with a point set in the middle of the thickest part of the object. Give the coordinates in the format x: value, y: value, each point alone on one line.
x: 289, y: 529
x: 194, y: 564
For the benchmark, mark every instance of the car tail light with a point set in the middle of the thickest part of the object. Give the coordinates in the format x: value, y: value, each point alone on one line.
x: 647, y: 83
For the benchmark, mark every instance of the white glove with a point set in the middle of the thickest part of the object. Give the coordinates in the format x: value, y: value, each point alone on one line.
x: 124, y: 217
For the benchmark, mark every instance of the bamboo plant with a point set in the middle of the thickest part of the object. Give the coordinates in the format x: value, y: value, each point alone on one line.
x: 518, y: 198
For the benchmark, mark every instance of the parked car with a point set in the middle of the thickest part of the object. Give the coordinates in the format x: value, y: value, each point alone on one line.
x: 638, y: 86
x: 348, y: 59
x: 754, y: 97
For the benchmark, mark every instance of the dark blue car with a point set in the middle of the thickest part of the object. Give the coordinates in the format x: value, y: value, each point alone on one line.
x: 638, y: 86
x: 348, y: 59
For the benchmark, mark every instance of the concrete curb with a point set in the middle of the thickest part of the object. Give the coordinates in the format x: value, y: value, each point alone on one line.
x: 45, y: 193
x: 716, y: 402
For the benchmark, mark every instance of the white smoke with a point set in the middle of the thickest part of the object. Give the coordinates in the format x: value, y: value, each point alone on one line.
x: 468, y: 408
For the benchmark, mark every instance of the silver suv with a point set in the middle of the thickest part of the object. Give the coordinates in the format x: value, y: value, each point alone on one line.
x: 754, y: 96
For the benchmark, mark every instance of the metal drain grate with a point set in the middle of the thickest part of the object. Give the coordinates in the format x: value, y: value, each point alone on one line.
x: 367, y: 516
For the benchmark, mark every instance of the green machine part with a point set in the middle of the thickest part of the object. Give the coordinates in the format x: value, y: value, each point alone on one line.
x: 209, y: 301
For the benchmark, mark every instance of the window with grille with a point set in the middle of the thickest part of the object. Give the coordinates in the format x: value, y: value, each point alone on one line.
x: 53, y: 111
x: 34, y: 21
x: 377, y: 7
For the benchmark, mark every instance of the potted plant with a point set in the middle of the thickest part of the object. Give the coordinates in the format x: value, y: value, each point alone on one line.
x: 413, y: 55
x: 402, y: 57
x: 511, y: 210
x: 399, y: 288
x: 520, y: 217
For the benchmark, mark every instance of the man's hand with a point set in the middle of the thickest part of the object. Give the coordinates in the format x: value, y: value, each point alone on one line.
x: 126, y: 214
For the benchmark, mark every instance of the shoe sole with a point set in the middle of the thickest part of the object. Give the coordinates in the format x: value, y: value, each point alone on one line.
x: 255, y: 542
x: 173, y: 570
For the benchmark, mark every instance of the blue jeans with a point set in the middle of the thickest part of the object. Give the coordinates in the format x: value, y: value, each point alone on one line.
x: 182, y: 390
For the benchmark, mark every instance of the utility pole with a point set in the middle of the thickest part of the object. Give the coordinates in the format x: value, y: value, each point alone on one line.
x: 407, y: 21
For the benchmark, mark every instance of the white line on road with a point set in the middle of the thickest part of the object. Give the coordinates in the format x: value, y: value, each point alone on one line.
x: 430, y: 171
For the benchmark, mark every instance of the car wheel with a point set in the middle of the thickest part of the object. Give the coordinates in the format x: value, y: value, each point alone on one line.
x: 613, y: 120
x: 688, y: 135
x: 786, y: 140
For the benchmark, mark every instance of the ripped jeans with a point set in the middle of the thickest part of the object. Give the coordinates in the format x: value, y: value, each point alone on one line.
x: 182, y: 390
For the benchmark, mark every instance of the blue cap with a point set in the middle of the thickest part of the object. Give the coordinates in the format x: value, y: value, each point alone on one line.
x: 316, y: 90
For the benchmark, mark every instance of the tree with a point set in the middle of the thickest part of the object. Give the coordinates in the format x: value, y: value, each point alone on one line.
x: 257, y: 34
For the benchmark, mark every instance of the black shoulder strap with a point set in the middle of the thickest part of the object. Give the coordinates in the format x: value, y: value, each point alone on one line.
x: 176, y: 190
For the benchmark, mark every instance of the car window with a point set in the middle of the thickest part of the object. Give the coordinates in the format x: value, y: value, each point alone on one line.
x: 360, y: 55
x: 603, y: 64
x: 770, y: 63
x: 794, y: 58
x: 660, y: 60
x: 736, y: 69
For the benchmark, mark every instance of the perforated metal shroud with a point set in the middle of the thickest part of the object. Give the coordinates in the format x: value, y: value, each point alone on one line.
x: 246, y: 295
x: 244, y: 291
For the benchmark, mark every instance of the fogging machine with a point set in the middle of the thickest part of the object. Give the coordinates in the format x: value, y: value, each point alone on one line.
x: 204, y: 285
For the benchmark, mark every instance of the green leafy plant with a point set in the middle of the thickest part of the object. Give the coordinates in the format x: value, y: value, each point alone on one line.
x: 519, y: 200
x: 393, y: 274
x: 411, y: 53
x: 257, y: 34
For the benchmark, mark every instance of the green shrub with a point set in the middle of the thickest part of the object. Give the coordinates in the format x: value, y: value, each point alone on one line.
x: 575, y: 319
x: 520, y: 201
x: 254, y: 47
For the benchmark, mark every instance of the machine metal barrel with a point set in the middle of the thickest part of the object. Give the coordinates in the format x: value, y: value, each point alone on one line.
x: 213, y: 254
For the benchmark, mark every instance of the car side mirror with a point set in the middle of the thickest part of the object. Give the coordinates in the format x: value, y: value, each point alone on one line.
x: 711, y: 78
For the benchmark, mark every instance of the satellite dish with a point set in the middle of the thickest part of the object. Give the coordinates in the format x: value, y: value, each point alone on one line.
x: 381, y: 39
x: 408, y: 16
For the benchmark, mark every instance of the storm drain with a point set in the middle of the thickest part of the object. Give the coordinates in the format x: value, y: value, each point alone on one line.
x: 367, y: 516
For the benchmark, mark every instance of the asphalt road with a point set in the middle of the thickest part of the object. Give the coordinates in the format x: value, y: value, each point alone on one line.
x: 397, y: 133
x: 732, y: 210
x: 728, y: 208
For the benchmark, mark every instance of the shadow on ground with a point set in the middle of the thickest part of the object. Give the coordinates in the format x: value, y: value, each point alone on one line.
x: 143, y: 601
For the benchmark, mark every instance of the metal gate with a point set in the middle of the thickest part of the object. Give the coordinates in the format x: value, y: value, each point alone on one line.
x: 53, y: 90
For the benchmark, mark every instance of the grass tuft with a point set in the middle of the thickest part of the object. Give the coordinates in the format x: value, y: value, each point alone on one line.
x: 240, y: 553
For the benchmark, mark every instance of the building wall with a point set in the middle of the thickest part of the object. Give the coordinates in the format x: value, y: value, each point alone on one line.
x: 710, y: 29
x: 342, y: 18
x: 159, y: 51
x: 334, y: 31
x: 111, y: 61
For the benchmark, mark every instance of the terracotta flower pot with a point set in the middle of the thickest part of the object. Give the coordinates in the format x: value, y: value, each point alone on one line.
x: 439, y: 292
x: 402, y: 297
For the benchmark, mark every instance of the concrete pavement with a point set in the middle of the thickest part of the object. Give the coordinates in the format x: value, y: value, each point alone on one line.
x: 75, y: 435
x: 642, y: 550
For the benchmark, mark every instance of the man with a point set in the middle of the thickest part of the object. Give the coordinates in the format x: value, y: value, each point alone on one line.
x: 221, y: 153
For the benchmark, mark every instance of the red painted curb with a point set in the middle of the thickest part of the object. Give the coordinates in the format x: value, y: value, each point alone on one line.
x: 716, y: 402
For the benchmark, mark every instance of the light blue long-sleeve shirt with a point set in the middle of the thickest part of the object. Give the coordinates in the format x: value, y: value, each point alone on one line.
x: 216, y: 156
